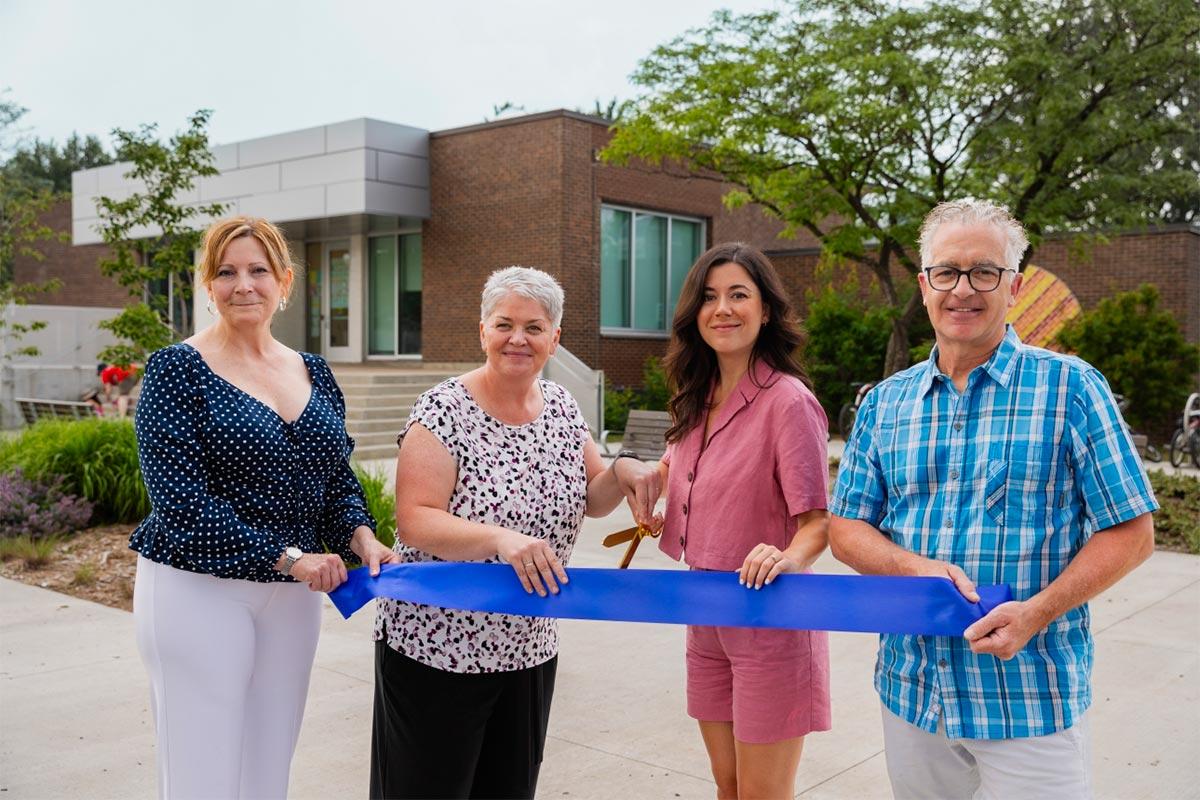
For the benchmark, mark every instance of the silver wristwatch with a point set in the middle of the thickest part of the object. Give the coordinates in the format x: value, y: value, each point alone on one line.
x: 290, y: 557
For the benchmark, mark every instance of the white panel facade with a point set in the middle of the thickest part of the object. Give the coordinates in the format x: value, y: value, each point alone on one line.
x: 307, y: 203
x: 395, y: 138
x: 381, y: 197
x: 345, y: 198
x: 408, y: 170
x: 360, y: 166
x: 327, y: 169
x: 281, y: 147
x: 238, y: 182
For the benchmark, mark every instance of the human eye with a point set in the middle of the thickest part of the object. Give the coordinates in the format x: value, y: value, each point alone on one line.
x: 502, y: 326
x: 224, y: 272
x: 259, y: 270
x: 535, y: 329
x: 709, y: 297
x: 988, y: 272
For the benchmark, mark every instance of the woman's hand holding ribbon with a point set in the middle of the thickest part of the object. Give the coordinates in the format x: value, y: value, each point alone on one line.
x: 533, y: 560
x: 763, y: 564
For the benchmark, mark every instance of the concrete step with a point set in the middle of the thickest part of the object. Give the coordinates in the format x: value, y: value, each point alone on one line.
x: 425, y: 379
x: 373, y: 439
x: 375, y: 412
x: 399, y: 393
x: 361, y: 426
x: 371, y: 452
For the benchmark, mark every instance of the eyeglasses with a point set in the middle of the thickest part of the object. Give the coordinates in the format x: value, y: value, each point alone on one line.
x: 981, y: 278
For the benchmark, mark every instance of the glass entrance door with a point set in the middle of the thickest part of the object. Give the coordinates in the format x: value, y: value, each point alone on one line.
x: 337, y: 301
x: 394, y: 296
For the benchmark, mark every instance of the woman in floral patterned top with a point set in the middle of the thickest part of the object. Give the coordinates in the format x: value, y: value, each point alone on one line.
x: 495, y: 465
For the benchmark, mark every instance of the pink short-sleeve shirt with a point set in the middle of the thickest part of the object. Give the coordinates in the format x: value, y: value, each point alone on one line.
x: 765, y: 464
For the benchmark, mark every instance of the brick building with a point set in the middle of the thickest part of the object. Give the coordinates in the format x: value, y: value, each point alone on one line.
x: 398, y: 228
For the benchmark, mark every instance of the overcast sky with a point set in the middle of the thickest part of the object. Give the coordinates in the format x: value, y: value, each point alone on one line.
x: 265, y: 68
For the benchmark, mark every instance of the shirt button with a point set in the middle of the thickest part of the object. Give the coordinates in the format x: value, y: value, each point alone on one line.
x: 958, y: 426
x: 690, y: 477
x: 949, y: 523
x: 685, y: 508
x: 953, y: 474
x: 681, y: 541
x: 942, y: 663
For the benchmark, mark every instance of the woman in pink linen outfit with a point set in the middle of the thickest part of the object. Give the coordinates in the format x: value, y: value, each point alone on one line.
x: 746, y: 476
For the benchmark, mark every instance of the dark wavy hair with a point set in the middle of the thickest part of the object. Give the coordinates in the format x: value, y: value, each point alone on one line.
x: 691, y: 365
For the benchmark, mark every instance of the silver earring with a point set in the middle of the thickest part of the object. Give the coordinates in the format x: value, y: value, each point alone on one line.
x: 212, y: 312
x: 283, y: 305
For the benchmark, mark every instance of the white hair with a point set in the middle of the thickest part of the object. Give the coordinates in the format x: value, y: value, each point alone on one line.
x: 526, y: 282
x: 973, y: 212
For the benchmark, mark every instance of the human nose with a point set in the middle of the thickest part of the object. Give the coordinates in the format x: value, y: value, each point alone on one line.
x: 723, y: 306
x: 962, y: 286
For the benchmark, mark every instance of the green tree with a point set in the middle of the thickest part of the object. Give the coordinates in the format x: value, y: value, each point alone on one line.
x: 851, y: 119
x: 1140, y: 350
x: 45, y: 165
x: 22, y: 204
x: 165, y: 171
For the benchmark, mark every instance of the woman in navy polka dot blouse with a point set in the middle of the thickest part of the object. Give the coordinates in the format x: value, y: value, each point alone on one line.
x: 244, y: 452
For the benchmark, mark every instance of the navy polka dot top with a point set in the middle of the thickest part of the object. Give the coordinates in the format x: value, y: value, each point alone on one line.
x: 231, y: 484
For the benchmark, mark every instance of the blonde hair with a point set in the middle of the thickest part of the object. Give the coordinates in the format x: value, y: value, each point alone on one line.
x: 223, y: 231
x: 973, y: 212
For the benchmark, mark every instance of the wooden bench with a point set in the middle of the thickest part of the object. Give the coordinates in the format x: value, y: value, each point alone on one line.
x: 644, y: 433
x: 33, y: 409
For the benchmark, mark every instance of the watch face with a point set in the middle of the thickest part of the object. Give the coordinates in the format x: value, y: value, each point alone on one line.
x: 294, y: 553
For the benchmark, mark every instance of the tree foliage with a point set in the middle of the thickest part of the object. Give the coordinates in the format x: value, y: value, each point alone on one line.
x: 1140, y: 350
x: 45, y: 165
x: 851, y: 119
x: 164, y: 172
x: 22, y: 203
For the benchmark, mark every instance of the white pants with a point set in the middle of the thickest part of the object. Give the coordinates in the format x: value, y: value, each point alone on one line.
x: 229, y: 662
x: 927, y: 766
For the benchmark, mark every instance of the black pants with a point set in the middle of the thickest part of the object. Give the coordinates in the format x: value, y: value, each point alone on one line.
x: 439, y: 734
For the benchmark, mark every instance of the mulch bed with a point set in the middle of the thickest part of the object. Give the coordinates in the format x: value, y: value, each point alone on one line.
x: 112, y: 565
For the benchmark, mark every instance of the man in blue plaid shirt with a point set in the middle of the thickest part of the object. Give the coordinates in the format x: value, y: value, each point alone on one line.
x: 992, y: 462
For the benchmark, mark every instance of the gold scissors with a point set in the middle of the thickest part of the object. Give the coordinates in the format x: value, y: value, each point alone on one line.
x: 632, y: 535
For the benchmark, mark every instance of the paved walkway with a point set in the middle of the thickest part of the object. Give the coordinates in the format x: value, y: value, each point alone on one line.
x: 74, y: 711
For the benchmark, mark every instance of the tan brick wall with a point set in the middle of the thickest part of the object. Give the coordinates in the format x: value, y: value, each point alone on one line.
x: 76, y: 267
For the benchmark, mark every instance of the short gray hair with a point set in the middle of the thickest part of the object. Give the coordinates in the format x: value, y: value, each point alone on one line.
x: 527, y: 282
x: 972, y: 212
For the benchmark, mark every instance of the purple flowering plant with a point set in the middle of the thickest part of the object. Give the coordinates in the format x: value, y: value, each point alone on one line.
x: 37, y: 509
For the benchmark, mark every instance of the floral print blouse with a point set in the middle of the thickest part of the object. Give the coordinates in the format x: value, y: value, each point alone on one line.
x: 528, y: 478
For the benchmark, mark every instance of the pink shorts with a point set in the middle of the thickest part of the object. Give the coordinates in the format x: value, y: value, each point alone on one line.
x: 772, y: 684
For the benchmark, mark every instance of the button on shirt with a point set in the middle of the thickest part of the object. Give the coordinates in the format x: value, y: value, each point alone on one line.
x: 1007, y: 479
x: 764, y: 465
x: 232, y: 484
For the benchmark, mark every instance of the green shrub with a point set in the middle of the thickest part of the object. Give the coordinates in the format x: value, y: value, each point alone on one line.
x: 653, y: 395
x: 1141, y: 350
x: 1177, y: 523
x: 97, y: 459
x: 381, y: 503
x: 847, y: 342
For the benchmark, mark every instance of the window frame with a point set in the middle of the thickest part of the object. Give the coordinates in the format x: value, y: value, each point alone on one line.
x: 633, y: 211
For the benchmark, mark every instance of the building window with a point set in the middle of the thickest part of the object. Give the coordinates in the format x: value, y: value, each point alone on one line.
x: 643, y: 260
x: 394, y: 295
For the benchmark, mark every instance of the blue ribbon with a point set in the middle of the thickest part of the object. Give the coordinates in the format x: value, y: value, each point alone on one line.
x: 864, y: 603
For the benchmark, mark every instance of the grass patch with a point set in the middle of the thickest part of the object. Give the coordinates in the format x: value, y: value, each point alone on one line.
x: 1177, y: 523
x: 85, y: 575
x: 381, y: 503
x: 97, y: 459
x: 35, y: 552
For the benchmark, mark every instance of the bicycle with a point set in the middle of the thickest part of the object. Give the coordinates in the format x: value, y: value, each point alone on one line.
x: 849, y: 410
x: 1186, y: 439
x: 1144, y: 448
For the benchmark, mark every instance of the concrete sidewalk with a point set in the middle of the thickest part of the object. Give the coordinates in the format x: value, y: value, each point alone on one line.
x: 74, y: 711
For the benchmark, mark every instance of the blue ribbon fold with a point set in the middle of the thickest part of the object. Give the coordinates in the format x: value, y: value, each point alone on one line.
x: 861, y: 603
